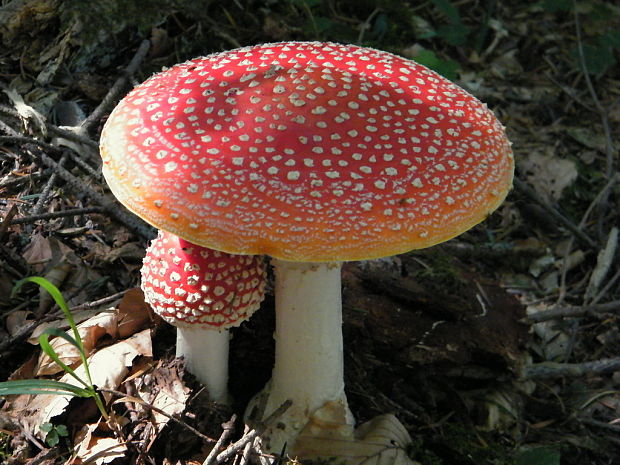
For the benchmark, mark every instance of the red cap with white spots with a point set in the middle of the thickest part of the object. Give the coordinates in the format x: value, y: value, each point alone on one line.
x: 192, y: 285
x: 306, y: 151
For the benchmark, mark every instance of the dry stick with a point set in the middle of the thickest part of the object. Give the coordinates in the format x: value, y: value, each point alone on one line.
x: 112, y: 208
x: 38, y: 207
x: 59, y: 214
x: 98, y: 303
x: 12, y: 133
x: 117, y: 88
x: 612, y: 281
x: 75, y: 157
x: 571, y: 311
x: 7, y: 220
x: 582, y: 223
x: 137, y: 400
x: 53, y: 129
x: 579, y: 234
x: 609, y: 148
x: 23, y: 333
x: 547, y: 370
x: 227, y: 429
x: 252, y: 434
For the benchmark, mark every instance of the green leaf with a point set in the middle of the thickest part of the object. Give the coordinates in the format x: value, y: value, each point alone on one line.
x: 46, y: 427
x: 448, y: 9
x: 553, y: 6
x: 541, y: 455
x: 598, y: 58
x: 49, y: 350
x: 454, y: 34
x: 62, y: 430
x: 52, y: 438
x: 447, y: 68
x: 42, y: 386
x: 611, y: 39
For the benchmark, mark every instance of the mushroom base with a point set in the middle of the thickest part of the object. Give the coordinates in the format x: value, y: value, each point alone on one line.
x: 309, y: 371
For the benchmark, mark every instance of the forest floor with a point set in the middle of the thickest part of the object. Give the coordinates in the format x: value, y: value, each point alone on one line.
x: 498, y: 347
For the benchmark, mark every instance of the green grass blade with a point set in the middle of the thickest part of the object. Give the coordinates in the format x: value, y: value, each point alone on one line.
x: 42, y: 386
x: 49, y: 350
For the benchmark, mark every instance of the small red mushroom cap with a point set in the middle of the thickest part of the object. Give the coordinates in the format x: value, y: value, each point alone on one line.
x: 306, y: 151
x: 190, y: 285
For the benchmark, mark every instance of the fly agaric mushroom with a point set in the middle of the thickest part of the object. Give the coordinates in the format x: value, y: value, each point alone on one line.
x: 202, y: 292
x: 315, y: 154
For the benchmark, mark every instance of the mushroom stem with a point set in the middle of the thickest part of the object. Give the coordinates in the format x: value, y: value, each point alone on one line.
x: 309, y: 350
x: 206, y: 357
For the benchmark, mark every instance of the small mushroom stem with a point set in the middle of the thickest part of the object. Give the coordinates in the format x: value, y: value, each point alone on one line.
x: 206, y: 357
x: 309, y: 350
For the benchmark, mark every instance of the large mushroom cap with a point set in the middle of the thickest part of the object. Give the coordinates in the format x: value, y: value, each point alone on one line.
x: 194, y: 286
x: 306, y: 151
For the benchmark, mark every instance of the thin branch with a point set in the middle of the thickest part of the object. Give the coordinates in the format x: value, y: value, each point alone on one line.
x: 570, y: 311
x: 111, y: 207
x: 98, y: 303
x: 227, y: 429
x: 52, y: 128
x: 117, y: 88
x: 578, y: 233
x: 609, y: 148
x: 253, y: 433
x: 137, y: 400
x: 59, y: 214
x: 42, y: 200
x: 548, y: 370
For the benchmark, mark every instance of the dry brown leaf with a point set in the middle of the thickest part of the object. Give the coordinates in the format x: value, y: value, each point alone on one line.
x: 90, y: 331
x: 38, y: 252
x: 165, y: 390
x: 381, y: 441
x: 91, y: 447
x: 79, y: 316
x: 548, y: 175
x: 131, y: 251
x: 134, y: 314
x: 108, y: 368
x: 17, y: 321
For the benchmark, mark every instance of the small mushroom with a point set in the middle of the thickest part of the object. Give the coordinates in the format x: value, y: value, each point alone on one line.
x: 203, y: 292
x: 312, y: 153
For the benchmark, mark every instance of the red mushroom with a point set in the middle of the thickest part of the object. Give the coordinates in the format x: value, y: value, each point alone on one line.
x: 313, y: 153
x: 203, y: 292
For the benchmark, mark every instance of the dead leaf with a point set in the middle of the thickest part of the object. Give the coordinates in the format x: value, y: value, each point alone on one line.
x: 108, y: 368
x: 165, y: 390
x: 131, y: 251
x: 17, y: 321
x: 548, y: 174
x: 90, y: 331
x: 38, y: 252
x: 134, y: 314
x: 91, y: 447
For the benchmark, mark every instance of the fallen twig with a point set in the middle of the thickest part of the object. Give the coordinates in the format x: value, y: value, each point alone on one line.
x: 53, y: 129
x: 42, y: 200
x: 117, y: 88
x: 568, y: 311
x: 578, y: 233
x: 111, y: 207
x: 227, y: 429
x: 59, y: 214
x: 547, y: 370
x: 609, y: 148
x: 126, y: 398
x: 253, y: 433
